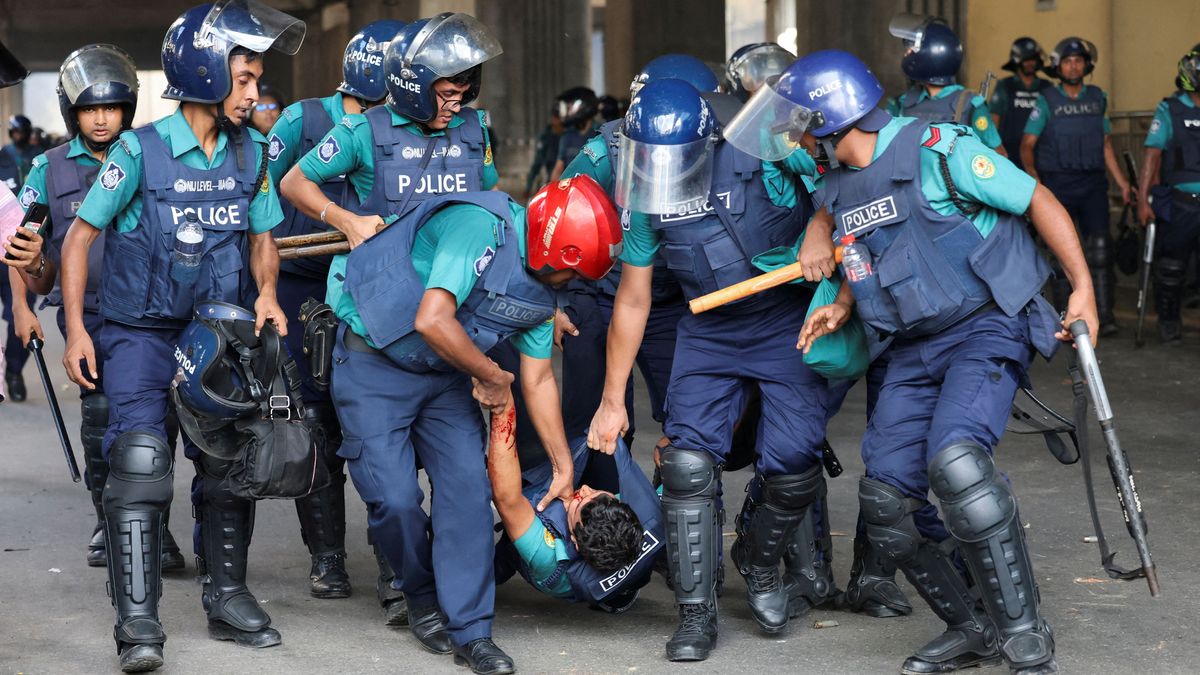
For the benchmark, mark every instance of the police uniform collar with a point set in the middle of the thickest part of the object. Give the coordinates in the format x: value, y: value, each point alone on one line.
x: 947, y: 90
x: 182, y: 139
x: 78, y: 148
x: 1083, y: 89
x: 399, y: 120
x: 1186, y: 99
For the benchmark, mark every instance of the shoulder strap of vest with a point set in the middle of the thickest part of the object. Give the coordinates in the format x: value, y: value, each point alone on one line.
x: 315, y: 123
x: 960, y: 106
x: 61, y: 178
x: 471, y: 131
x: 380, y: 119
x: 152, y: 143
x: 906, y: 150
x: 745, y: 165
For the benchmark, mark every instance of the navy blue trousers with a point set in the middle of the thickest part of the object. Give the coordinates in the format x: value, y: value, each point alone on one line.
x: 390, y: 417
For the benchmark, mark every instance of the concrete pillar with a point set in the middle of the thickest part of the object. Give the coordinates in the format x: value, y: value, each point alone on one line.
x: 636, y: 32
x: 545, y: 52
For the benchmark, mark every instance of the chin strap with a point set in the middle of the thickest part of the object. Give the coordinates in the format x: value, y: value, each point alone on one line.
x: 97, y: 148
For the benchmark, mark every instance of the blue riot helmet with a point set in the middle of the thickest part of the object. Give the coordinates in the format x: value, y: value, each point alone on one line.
x: 825, y: 93
x: 1073, y: 46
x: 224, y: 373
x: 447, y: 46
x: 12, y: 71
x: 934, y: 52
x: 362, y: 65
x: 97, y: 74
x: 196, y: 48
x: 753, y: 65
x: 679, y: 67
x: 1024, y: 49
x: 665, y: 149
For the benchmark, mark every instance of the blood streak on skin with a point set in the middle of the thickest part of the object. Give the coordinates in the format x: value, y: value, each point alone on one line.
x: 504, y: 425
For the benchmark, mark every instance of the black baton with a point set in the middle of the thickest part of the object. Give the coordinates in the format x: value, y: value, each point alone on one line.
x: 35, y: 346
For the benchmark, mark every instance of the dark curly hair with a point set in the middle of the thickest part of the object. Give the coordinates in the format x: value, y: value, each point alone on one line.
x: 609, y: 534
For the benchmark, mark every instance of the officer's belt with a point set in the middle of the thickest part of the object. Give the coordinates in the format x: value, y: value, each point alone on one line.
x: 357, y: 343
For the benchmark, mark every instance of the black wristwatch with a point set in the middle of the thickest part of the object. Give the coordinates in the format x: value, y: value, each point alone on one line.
x: 41, y: 268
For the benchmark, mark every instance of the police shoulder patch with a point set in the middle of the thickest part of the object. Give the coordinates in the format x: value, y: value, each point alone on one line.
x: 487, y: 154
x: 275, y: 148
x: 548, y: 538
x: 29, y: 195
x: 111, y: 177
x: 981, y: 122
x: 983, y: 167
x: 482, y: 262
x: 328, y: 149
x: 1155, y: 125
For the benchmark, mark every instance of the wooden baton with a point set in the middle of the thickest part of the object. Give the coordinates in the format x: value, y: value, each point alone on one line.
x: 758, y: 284
x: 294, y: 241
x: 314, y: 250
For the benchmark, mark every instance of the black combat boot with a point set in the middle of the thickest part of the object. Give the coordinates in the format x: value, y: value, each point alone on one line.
x: 872, y: 589
x: 690, y: 486
x: 1169, y: 276
x: 323, y: 528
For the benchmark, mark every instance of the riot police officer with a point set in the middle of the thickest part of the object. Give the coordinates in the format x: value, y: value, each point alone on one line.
x: 949, y: 272
x: 421, y: 303
x: 713, y: 211
x: 185, y: 203
x: 1016, y: 95
x: 19, y: 153
x: 97, y: 93
x: 1170, y: 187
x: 423, y: 143
x: 931, y: 61
x: 300, y: 128
x: 1067, y: 147
x: 577, y: 108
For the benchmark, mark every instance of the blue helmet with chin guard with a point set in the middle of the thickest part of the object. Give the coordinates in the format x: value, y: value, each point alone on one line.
x: 362, y: 65
x: 678, y: 67
x: 197, y: 47
x: 934, y: 51
x: 448, y: 46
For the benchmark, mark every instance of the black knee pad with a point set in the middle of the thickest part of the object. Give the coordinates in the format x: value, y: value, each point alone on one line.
x: 794, y: 492
x: 688, y: 473
x: 93, y: 410
x: 1170, y: 271
x: 1097, y: 251
x: 886, y: 511
x: 140, y: 470
x: 976, y: 502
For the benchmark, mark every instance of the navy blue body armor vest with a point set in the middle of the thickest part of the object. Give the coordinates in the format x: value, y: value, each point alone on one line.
x: 1073, y: 139
x: 935, y: 109
x: 930, y: 270
x: 67, y: 183
x: 455, y: 164
x: 1020, y: 103
x: 710, y: 245
x: 138, y: 288
x: 1181, y: 157
x: 387, y: 290
x: 315, y: 123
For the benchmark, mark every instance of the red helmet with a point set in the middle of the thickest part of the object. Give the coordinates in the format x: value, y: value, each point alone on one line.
x: 573, y: 226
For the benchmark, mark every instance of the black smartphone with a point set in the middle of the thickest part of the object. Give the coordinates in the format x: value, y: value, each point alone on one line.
x: 37, y: 213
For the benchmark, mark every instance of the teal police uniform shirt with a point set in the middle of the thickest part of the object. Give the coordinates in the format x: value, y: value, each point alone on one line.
x: 1041, y: 112
x: 641, y: 240
x: 979, y: 173
x: 445, y: 254
x: 121, y: 203
x: 542, y: 552
x: 355, y: 153
x: 981, y: 119
x: 1160, y: 134
x: 286, y: 136
x: 34, y: 190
